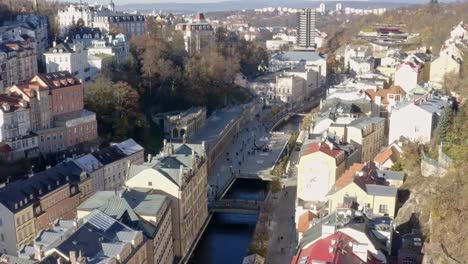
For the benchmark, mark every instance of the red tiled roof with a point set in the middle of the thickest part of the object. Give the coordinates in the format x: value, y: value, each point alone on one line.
x: 5, y: 148
x: 394, y: 89
x: 12, y: 100
x: 304, y: 221
x: 323, y: 147
x: 348, y: 176
x: 200, y: 16
x: 390, y: 153
x: 412, y: 65
x: 320, y: 250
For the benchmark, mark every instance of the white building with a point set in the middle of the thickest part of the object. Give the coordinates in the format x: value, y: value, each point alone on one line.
x: 198, y: 33
x: 460, y: 32
x: 355, y: 52
x: 16, y: 139
x: 116, y: 46
x: 72, y: 14
x: 108, y: 167
x: 277, y: 44
x: 358, y: 65
x: 408, y: 75
x: 416, y: 120
x: 129, y: 24
x: 85, y: 36
x: 322, y: 8
x: 339, y: 6
x: 288, y: 86
x: 68, y: 57
x: 300, y: 59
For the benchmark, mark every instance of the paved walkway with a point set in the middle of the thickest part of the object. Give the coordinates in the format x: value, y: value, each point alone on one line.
x: 283, y: 242
x: 245, y: 155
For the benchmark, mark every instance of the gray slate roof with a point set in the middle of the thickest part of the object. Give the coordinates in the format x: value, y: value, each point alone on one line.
x: 381, y: 190
x: 100, y: 237
x: 391, y: 175
x: 363, y: 122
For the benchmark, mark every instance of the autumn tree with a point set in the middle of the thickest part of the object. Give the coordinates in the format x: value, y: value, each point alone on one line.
x: 117, y: 108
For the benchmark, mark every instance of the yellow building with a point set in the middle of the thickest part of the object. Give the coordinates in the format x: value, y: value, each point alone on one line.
x: 369, y: 132
x: 449, y: 62
x: 180, y: 173
x: 25, y: 231
x: 360, y: 187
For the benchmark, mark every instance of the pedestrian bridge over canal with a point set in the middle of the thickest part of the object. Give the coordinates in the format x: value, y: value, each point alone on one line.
x: 235, y: 206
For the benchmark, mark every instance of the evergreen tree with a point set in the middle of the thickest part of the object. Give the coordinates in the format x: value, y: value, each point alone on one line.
x: 444, y: 123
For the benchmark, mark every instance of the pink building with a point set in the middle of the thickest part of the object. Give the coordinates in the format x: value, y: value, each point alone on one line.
x: 57, y: 112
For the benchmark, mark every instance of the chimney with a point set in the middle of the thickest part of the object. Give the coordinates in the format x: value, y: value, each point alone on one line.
x: 194, y: 159
x: 73, y: 257
x: 181, y: 171
x: 37, y: 252
x: 203, y: 144
x: 54, y: 43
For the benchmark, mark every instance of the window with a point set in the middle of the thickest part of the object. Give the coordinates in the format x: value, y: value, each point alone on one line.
x: 150, y: 183
x: 2, y: 237
x: 383, y: 208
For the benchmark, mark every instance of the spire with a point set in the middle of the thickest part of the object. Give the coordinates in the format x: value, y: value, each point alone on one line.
x: 35, y: 6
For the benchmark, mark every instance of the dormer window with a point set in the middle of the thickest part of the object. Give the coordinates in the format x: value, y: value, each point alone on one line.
x: 21, y: 203
x: 40, y: 191
x: 25, y: 200
x: 49, y: 187
x: 58, y: 182
x: 77, y: 36
x: 16, y: 205
x: 31, y: 196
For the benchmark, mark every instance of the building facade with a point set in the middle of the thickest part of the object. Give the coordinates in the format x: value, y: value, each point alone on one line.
x: 416, y: 120
x: 108, y: 167
x: 361, y: 187
x: 180, y: 126
x: 68, y: 57
x: 57, y: 113
x: 306, y: 31
x: 180, y: 172
x: 300, y: 60
x: 369, y: 133
x: 149, y: 213
x: 97, y: 237
x: 128, y: 24
x: 16, y: 135
x: 198, y: 33
x: 18, y: 62
x: 73, y: 14
x: 27, y: 206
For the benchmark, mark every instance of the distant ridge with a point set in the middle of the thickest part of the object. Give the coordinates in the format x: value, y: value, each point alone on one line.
x: 252, y: 4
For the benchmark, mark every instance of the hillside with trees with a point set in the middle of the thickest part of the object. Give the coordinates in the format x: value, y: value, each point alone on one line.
x: 431, y: 21
x: 160, y: 76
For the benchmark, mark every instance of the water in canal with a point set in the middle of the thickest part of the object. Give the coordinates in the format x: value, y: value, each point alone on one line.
x: 227, y: 238
x: 291, y: 125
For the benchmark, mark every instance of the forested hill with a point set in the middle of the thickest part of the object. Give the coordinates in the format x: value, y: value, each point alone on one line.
x: 432, y: 21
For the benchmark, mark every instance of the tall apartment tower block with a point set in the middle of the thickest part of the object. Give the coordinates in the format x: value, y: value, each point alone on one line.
x: 306, y: 31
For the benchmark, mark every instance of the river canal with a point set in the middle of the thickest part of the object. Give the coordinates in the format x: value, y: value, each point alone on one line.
x: 227, y: 238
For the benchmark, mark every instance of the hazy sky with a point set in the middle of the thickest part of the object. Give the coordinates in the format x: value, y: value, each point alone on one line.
x: 121, y: 2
